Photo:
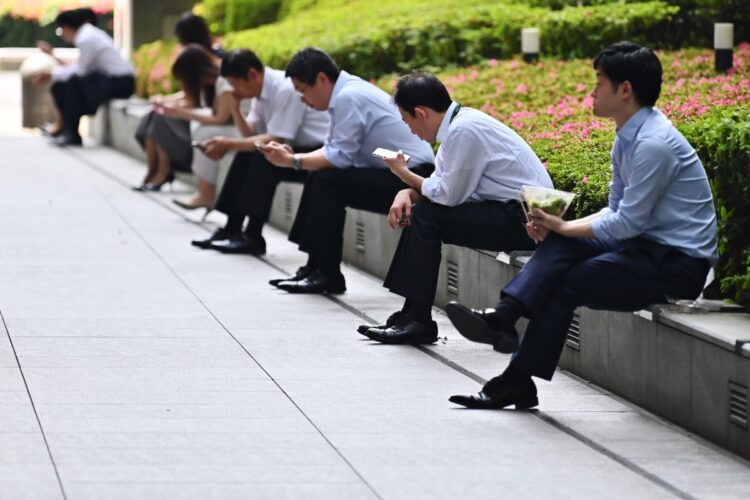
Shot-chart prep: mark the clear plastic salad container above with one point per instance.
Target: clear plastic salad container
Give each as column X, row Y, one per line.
column 552, row 201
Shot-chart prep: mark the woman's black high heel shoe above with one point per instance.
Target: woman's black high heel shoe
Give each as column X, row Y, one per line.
column 153, row 188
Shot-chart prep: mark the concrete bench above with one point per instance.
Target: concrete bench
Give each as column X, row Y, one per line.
column 692, row 369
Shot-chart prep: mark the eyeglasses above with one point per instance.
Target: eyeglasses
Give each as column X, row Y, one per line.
column 301, row 90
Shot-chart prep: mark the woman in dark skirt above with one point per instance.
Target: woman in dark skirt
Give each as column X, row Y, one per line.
column 172, row 134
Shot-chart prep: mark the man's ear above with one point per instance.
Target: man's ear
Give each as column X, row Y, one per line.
column 625, row 90
column 421, row 112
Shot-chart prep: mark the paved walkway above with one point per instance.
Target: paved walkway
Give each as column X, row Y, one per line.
column 134, row 366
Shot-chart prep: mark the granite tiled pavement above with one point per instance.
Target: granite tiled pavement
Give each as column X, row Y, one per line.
column 134, row 366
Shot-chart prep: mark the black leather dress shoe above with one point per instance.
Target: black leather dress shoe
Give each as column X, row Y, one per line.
column 240, row 243
column 301, row 273
column 483, row 326
column 219, row 234
column 64, row 140
column 362, row 329
column 405, row 331
column 497, row 394
column 316, row 282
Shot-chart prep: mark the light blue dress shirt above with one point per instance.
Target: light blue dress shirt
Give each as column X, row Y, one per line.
column 363, row 118
column 481, row 159
column 659, row 189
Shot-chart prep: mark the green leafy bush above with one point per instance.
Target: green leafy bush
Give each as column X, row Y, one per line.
column 224, row 16
column 153, row 63
column 722, row 140
column 364, row 39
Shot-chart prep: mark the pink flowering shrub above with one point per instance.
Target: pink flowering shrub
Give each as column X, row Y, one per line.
column 550, row 105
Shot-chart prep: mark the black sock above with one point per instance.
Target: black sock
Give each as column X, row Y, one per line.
column 510, row 309
column 254, row 228
column 330, row 269
column 421, row 312
column 234, row 222
column 407, row 306
column 516, row 376
column 312, row 262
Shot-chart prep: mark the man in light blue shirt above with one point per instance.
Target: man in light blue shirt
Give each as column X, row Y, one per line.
column 470, row 200
column 344, row 172
column 656, row 239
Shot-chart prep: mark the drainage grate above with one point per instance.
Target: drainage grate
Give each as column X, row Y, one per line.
column 359, row 237
column 288, row 205
column 452, row 277
column 573, row 338
column 738, row 404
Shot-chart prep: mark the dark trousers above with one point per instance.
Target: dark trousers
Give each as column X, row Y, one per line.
column 318, row 227
column 566, row 273
column 82, row 95
column 490, row 225
column 251, row 184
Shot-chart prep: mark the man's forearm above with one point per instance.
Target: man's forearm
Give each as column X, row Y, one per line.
column 315, row 160
column 248, row 143
column 411, row 179
column 246, row 129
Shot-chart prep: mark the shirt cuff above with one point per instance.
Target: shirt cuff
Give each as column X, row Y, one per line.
column 429, row 186
column 335, row 157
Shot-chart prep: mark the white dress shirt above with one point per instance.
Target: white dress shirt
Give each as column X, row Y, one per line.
column 363, row 118
column 481, row 159
column 278, row 111
column 97, row 54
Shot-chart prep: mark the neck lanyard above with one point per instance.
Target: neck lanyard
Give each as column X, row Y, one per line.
column 455, row 112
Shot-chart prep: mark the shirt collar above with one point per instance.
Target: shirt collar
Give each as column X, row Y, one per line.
column 268, row 83
column 84, row 31
column 628, row 131
column 342, row 80
column 442, row 133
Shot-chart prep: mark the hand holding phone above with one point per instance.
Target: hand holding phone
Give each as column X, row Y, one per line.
column 387, row 154
column 260, row 145
column 198, row 145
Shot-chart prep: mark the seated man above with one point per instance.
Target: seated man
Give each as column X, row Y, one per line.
column 276, row 114
column 99, row 74
column 344, row 173
column 470, row 200
column 656, row 239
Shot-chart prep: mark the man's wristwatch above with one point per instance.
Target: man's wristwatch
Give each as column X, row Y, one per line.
column 296, row 161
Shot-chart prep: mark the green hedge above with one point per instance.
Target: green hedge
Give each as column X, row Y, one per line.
column 722, row 140
column 364, row 39
column 224, row 16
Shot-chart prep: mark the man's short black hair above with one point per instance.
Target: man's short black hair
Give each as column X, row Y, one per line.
column 627, row 61
column 89, row 15
column 238, row 62
column 71, row 18
column 307, row 63
column 421, row 89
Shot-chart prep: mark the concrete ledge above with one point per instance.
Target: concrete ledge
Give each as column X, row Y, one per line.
column 692, row 369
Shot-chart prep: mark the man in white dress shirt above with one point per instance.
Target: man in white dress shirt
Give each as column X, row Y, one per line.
column 276, row 114
column 99, row 74
column 470, row 200
column 343, row 173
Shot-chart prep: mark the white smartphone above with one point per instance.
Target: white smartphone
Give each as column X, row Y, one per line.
column 386, row 154
column 198, row 145
column 260, row 145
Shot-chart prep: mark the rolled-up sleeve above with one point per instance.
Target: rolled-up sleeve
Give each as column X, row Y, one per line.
column 458, row 175
column 345, row 137
column 650, row 169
